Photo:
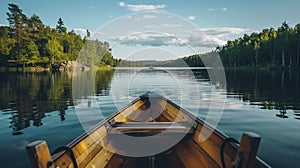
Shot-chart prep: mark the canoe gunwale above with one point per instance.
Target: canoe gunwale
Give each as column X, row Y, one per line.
column 217, row 132
column 197, row 121
column 93, row 129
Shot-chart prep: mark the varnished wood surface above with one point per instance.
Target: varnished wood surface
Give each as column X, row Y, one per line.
column 39, row 154
column 199, row 148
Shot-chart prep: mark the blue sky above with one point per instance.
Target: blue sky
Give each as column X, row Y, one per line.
column 233, row 18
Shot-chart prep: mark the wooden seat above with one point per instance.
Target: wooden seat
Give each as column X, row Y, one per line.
column 153, row 127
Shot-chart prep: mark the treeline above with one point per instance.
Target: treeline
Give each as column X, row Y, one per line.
column 190, row 61
column 127, row 63
column 269, row 48
column 28, row 42
column 196, row 60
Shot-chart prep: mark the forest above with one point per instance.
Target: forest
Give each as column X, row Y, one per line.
column 270, row 48
column 28, row 42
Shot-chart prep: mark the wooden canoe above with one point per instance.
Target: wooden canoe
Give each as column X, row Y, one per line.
column 200, row 146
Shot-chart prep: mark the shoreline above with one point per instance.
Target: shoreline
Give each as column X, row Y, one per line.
column 108, row 67
column 42, row 69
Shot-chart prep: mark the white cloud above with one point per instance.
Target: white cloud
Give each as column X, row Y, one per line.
column 121, row 4
column 203, row 40
column 208, row 38
column 140, row 18
column 171, row 25
column 164, row 25
column 137, row 8
column 223, row 31
column 213, row 37
column 80, row 31
column 150, row 39
column 98, row 33
column 213, row 9
column 127, row 17
column 149, row 17
column 224, row 9
column 151, row 26
column 191, row 17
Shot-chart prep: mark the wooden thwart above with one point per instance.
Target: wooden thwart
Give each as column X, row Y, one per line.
column 153, row 127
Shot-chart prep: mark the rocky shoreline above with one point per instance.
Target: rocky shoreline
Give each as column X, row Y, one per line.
column 70, row 66
column 67, row 66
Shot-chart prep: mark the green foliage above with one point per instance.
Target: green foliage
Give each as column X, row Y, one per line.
column 126, row 63
column 109, row 60
column 55, row 51
column 88, row 54
column 17, row 22
column 33, row 53
column 190, row 61
column 60, row 27
column 6, row 44
column 27, row 41
column 269, row 48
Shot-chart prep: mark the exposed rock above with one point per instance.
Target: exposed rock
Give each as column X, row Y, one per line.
column 70, row 66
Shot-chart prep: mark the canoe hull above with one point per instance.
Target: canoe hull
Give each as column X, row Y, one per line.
column 152, row 131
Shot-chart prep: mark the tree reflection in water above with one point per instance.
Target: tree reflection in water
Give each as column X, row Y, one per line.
column 30, row 96
column 278, row 90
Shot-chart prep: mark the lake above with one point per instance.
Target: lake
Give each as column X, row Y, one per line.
column 42, row 106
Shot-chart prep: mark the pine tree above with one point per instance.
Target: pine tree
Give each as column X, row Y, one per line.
column 17, row 22
column 60, row 27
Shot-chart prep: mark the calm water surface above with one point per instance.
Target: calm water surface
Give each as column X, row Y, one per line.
column 41, row 106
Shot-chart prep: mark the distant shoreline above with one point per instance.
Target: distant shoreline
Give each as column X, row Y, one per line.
column 105, row 68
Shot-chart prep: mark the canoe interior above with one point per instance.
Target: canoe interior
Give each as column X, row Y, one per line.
column 146, row 117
